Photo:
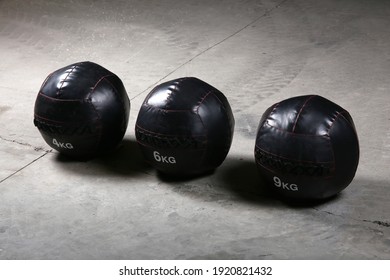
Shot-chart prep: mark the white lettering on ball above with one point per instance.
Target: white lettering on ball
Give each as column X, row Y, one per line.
column 62, row 145
column 163, row 159
column 284, row 185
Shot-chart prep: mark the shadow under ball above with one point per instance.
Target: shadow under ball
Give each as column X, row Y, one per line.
column 307, row 148
column 82, row 110
column 185, row 127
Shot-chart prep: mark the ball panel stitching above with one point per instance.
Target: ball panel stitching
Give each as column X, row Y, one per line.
column 300, row 111
column 293, row 166
column 277, row 173
column 121, row 100
column 96, row 84
column 308, row 161
column 58, row 99
column 54, row 121
column 165, row 110
column 333, row 121
column 266, row 117
column 68, row 130
column 349, row 124
column 162, row 134
column 164, row 141
column 219, row 100
column 45, row 81
column 202, row 99
column 154, row 147
column 64, row 80
column 294, row 133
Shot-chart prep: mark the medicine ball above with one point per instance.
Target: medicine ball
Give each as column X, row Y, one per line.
column 185, row 127
column 82, row 110
column 307, row 148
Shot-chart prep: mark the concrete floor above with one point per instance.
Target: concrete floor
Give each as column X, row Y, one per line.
column 257, row 53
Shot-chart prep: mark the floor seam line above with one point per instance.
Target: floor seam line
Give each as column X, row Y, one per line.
column 27, row 165
column 24, row 144
column 267, row 12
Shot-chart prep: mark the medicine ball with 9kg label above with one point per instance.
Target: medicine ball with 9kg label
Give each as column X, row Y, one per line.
column 307, row 148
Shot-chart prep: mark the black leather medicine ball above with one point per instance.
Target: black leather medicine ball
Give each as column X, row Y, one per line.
column 307, row 148
column 185, row 127
column 82, row 110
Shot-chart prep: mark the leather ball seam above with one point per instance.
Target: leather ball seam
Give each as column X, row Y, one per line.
column 64, row 80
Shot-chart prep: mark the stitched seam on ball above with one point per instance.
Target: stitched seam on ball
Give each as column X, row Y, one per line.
column 331, row 126
column 219, row 100
column 94, row 108
column 154, row 147
column 45, row 81
column 89, row 101
column 337, row 116
column 294, row 133
column 342, row 115
column 333, row 121
column 50, row 120
column 174, row 135
column 265, row 167
column 230, row 139
column 277, row 172
column 99, row 125
column 64, row 80
column 266, row 118
column 300, row 111
column 333, row 155
column 120, row 100
column 292, row 158
column 164, row 141
column 197, row 113
column 201, row 101
column 170, row 135
column 68, row 129
column 350, row 124
column 59, row 99
column 206, row 142
column 165, row 110
column 292, row 166
column 68, row 125
column 205, row 128
column 273, row 110
column 97, row 83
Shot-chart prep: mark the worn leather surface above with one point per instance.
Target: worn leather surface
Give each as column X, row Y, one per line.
column 82, row 110
column 307, row 147
column 185, row 127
